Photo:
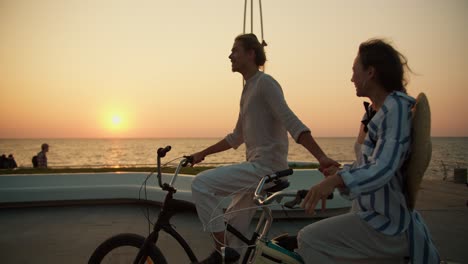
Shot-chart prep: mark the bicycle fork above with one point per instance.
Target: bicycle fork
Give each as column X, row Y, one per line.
column 151, row 239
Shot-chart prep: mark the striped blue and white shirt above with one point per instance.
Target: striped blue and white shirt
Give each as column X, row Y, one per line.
column 375, row 181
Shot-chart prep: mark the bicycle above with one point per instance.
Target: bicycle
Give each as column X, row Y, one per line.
column 260, row 248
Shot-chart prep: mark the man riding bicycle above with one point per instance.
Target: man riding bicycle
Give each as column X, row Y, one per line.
column 263, row 122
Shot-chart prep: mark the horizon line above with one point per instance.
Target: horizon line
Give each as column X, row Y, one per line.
column 46, row 138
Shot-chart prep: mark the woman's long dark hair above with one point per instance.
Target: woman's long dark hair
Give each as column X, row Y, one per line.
column 388, row 63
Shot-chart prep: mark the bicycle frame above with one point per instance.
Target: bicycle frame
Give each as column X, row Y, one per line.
column 173, row 206
column 266, row 218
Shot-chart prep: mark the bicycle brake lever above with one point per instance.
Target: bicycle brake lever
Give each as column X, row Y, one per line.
column 188, row 159
column 278, row 199
column 292, row 203
column 298, row 199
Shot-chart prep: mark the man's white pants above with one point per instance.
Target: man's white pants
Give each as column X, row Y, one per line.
column 210, row 187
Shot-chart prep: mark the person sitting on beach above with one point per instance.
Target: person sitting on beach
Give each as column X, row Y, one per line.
column 263, row 122
column 3, row 162
column 380, row 227
column 42, row 157
column 12, row 162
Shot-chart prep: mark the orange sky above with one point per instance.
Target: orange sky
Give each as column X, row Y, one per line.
column 71, row 68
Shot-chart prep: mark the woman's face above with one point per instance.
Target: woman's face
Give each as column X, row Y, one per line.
column 360, row 78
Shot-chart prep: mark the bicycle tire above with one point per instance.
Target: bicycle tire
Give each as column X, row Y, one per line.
column 124, row 240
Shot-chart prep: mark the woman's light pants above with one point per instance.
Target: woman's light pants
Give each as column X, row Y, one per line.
column 348, row 239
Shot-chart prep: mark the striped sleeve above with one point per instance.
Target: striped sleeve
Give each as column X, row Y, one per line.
column 384, row 160
column 344, row 191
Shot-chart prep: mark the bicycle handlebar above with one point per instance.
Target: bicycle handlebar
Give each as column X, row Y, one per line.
column 162, row 151
column 183, row 163
column 188, row 159
column 260, row 199
column 277, row 175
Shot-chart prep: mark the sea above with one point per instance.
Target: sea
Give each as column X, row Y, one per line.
column 447, row 152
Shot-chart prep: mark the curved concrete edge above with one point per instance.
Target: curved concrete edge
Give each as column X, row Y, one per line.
column 126, row 187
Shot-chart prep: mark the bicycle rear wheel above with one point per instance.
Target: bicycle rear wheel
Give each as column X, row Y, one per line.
column 123, row 248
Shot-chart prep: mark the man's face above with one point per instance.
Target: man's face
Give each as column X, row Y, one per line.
column 239, row 57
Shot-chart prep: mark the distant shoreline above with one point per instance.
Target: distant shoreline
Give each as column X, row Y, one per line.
column 172, row 138
column 187, row 170
column 447, row 153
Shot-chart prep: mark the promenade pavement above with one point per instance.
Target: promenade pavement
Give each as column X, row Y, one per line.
column 69, row 234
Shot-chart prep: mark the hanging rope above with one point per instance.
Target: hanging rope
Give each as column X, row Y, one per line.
column 261, row 21
column 264, row 44
column 251, row 18
column 245, row 13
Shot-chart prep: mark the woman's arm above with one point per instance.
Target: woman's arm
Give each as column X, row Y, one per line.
column 386, row 154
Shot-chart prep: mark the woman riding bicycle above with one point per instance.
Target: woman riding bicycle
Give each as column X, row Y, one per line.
column 380, row 228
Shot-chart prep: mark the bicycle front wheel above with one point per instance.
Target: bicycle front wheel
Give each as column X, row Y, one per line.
column 123, row 248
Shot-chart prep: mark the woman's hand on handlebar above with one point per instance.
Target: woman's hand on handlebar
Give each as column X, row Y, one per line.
column 320, row 192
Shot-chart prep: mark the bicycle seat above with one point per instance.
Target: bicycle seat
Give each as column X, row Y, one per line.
column 286, row 241
column 279, row 186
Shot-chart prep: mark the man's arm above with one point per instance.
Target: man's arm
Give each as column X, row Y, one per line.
column 274, row 97
column 306, row 140
column 222, row 145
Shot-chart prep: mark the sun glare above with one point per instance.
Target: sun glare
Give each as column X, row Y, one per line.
column 116, row 120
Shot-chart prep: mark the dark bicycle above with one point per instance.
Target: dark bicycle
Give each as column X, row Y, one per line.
column 260, row 248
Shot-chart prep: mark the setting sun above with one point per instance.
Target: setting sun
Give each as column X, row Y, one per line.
column 116, row 123
column 116, row 120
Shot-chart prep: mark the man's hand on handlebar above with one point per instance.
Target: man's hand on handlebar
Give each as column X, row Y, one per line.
column 197, row 158
column 330, row 171
column 326, row 162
